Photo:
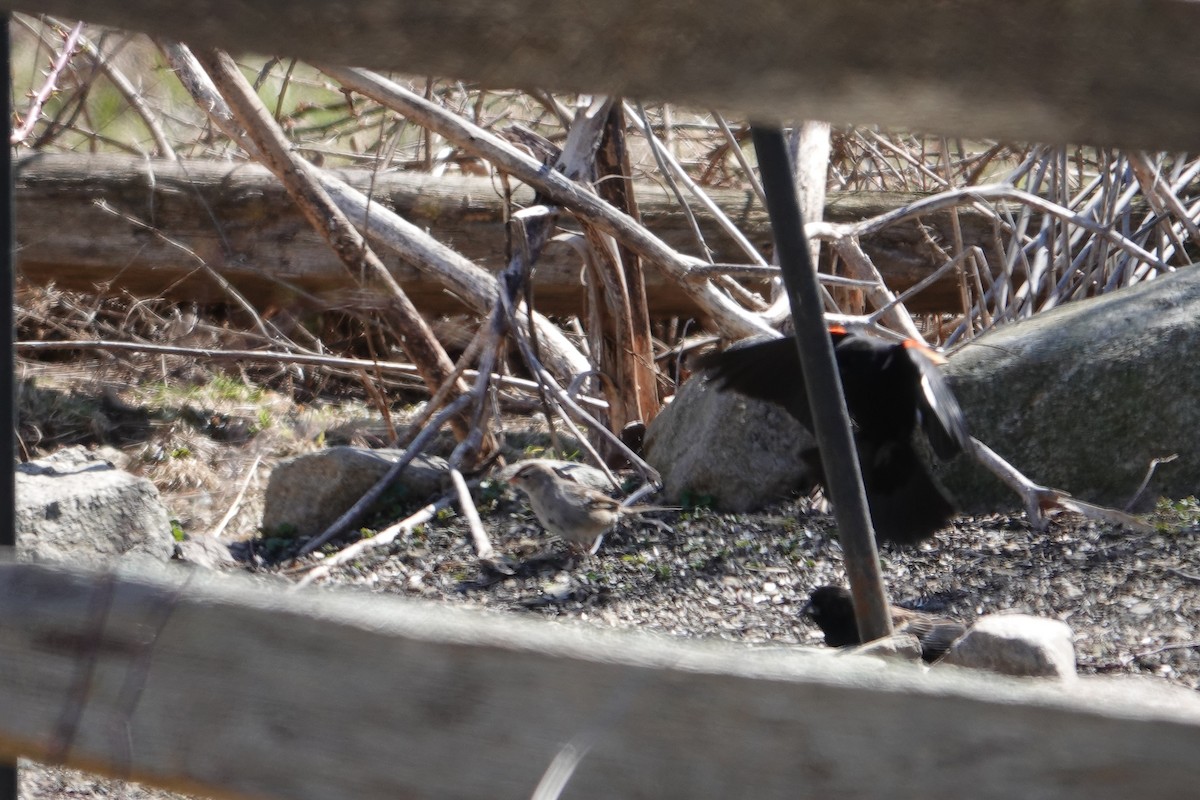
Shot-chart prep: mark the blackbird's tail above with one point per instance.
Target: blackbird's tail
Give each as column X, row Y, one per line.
column 906, row 505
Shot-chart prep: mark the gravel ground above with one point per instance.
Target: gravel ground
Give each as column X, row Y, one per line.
column 1132, row 599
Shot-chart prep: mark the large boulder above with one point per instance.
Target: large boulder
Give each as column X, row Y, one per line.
column 308, row 492
column 1081, row 398
column 740, row 453
column 76, row 506
column 1084, row 397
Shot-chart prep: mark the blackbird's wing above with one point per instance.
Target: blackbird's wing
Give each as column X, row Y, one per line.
column 941, row 417
column 936, row 635
column 767, row 370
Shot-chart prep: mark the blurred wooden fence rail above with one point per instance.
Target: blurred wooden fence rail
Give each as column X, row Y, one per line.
column 239, row 220
column 1089, row 71
column 215, row 685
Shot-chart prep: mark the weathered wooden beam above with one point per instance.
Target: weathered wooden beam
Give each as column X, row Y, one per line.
column 238, row 219
column 213, row 685
column 1102, row 71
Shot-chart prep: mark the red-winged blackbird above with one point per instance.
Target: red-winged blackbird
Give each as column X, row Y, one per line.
column 832, row 608
column 889, row 387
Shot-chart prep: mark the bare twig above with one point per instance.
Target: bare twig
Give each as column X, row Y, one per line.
column 862, row 268
column 1154, row 462
column 674, row 172
column 219, row 528
column 463, row 278
column 364, row 503
column 384, row 537
column 725, row 313
column 483, row 545
column 1041, row 499
column 1187, row 576
column 267, row 356
column 1166, row 648
column 217, row 277
column 1159, row 193
column 48, row 87
column 298, row 177
column 924, row 283
column 128, row 91
column 736, row 148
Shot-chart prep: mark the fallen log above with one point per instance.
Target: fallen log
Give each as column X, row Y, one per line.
column 74, row 229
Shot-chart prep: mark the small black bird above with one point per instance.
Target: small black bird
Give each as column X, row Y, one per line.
column 890, row 388
column 832, row 608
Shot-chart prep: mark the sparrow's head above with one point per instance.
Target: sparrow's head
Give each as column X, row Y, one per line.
column 532, row 474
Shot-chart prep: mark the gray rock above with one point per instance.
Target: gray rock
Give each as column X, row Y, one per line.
column 204, row 551
column 1016, row 644
column 1084, row 397
column 742, row 453
column 75, row 506
column 305, row 494
column 898, row 646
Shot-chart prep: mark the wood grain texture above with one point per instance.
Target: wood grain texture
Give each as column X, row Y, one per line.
column 1099, row 71
column 211, row 684
column 240, row 221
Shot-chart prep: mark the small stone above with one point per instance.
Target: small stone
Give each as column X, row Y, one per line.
column 899, row 646
column 307, row 493
column 204, row 551
column 1141, row 609
column 1017, row 644
column 1071, row 590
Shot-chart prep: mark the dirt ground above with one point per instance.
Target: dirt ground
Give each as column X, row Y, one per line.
column 1132, row 599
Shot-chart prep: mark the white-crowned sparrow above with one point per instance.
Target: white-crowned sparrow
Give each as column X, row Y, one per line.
column 578, row 514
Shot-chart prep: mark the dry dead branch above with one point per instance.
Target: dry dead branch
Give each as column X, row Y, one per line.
column 724, row 312
column 49, row 85
column 275, row 153
column 364, row 503
column 1041, row 499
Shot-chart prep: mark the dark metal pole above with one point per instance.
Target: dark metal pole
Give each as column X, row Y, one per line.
column 831, row 423
column 8, row 442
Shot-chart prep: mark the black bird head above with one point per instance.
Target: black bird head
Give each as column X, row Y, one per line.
column 832, row 608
